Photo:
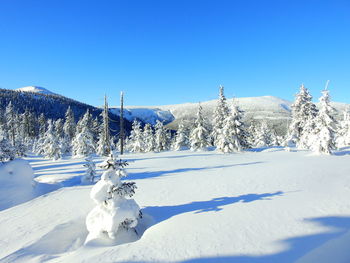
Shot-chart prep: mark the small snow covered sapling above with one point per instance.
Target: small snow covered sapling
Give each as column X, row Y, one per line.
column 90, row 172
column 114, row 212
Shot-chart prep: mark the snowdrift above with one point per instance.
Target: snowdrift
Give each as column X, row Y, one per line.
column 16, row 181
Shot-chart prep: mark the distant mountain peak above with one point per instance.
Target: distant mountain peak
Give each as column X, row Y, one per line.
column 36, row 89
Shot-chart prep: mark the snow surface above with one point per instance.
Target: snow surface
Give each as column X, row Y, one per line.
column 265, row 205
column 36, row 89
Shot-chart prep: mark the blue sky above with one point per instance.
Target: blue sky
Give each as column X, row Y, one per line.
column 167, row 52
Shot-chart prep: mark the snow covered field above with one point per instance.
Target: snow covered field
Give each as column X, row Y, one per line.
column 257, row 206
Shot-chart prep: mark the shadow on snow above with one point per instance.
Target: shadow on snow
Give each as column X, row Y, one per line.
column 146, row 175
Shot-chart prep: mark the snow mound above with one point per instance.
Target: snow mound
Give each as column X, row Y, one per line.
column 16, row 183
column 36, row 89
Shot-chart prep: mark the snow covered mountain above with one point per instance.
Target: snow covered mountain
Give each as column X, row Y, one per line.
column 275, row 110
column 36, row 89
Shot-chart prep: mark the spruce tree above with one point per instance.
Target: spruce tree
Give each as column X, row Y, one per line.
column 161, row 138
column 148, row 138
column 90, row 172
column 323, row 140
column 69, row 125
column 303, row 115
column 343, row 133
column 50, row 146
column 199, row 137
column 181, row 138
column 136, row 143
column 221, row 112
column 231, row 138
column 83, row 143
column 114, row 212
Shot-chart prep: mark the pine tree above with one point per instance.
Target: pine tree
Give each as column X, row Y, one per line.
column 343, row 138
column 199, row 137
column 263, row 135
column 11, row 123
column 114, row 212
column 104, row 147
column 69, row 124
column 303, row 114
column 136, row 143
column 7, row 151
column 161, row 138
column 221, row 112
column 231, row 138
column 90, row 172
column 148, row 138
column 323, row 140
column 181, row 138
column 83, row 142
column 50, row 147
column 42, row 124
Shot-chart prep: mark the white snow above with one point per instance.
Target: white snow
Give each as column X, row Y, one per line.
column 257, row 206
column 36, row 89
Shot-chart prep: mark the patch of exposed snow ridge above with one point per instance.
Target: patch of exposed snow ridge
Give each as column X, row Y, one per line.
column 36, row 89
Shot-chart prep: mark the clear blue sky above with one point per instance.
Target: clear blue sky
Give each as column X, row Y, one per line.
column 167, row 51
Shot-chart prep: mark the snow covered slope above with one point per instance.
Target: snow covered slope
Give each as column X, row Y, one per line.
column 275, row 110
column 264, row 206
column 266, row 107
column 36, row 89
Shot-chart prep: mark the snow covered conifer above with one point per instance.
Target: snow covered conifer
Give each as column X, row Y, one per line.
column 303, row 114
column 161, row 137
column 69, row 125
column 50, row 146
column 7, row 151
column 221, row 112
column 148, row 138
column 42, row 124
column 90, row 172
column 103, row 144
column 136, row 143
column 11, row 123
column 323, row 140
column 114, row 212
column 181, row 138
column 343, row 138
column 199, row 137
column 263, row 136
column 83, row 142
column 230, row 138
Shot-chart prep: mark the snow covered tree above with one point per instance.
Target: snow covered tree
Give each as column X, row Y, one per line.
column 104, row 147
column 90, row 172
column 136, row 143
column 50, row 146
column 7, row 151
column 181, row 138
column 323, row 140
column 199, row 137
column 59, row 128
column 343, row 138
column 221, row 112
column 42, row 124
column 114, row 212
column 303, row 114
column 263, row 135
column 148, row 138
column 11, row 123
column 83, row 142
column 230, row 138
column 161, row 137
column 69, row 125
